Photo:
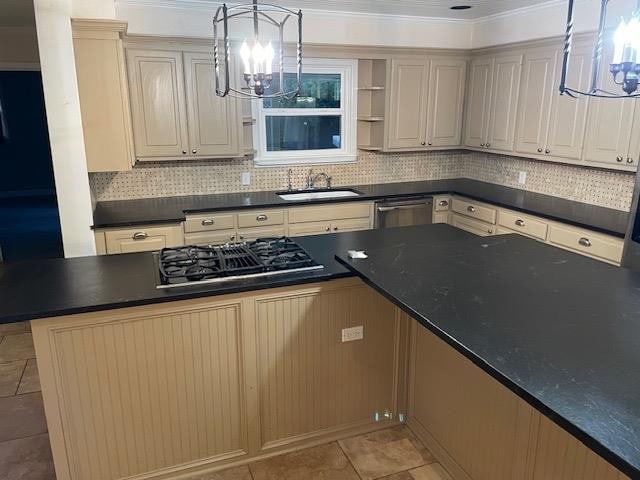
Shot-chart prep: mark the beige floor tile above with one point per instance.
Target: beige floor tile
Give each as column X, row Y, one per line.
column 237, row 473
column 30, row 381
column 325, row 462
column 385, row 452
column 433, row 471
column 26, row 459
column 10, row 374
column 399, row 476
column 17, row 347
column 21, row 416
column 13, row 328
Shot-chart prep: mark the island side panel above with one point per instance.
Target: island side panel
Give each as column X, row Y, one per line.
column 480, row 430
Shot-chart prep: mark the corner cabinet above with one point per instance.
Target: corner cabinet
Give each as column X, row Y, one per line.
column 176, row 112
column 491, row 114
column 426, row 103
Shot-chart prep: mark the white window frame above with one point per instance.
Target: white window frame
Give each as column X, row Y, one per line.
column 348, row 125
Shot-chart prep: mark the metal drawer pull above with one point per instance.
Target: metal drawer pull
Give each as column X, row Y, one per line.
column 208, row 222
column 443, row 203
column 520, row 223
column 232, row 237
column 482, row 144
column 328, row 229
column 547, row 151
column 629, row 160
column 585, row 242
column 488, row 145
column 262, row 218
column 619, row 158
column 140, row 235
column 335, row 228
column 540, row 150
column 471, row 209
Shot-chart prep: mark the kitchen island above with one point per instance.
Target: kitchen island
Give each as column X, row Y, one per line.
column 154, row 384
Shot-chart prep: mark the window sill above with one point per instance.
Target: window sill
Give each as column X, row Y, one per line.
column 304, row 160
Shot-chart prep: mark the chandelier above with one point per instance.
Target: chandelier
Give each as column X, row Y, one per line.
column 625, row 65
column 258, row 54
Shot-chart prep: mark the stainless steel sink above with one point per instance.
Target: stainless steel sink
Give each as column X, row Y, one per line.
column 317, row 194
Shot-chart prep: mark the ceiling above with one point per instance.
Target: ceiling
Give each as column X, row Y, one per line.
column 16, row 13
column 419, row 8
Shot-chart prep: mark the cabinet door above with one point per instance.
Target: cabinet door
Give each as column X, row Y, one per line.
column 310, row 228
column 609, row 121
column 409, row 79
column 477, row 113
column 569, row 115
column 633, row 156
column 251, row 234
column 214, row 122
column 536, row 98
column 143, row 239
column 157, row 102
column 446, row 94
column 351, row 225
column 504, row 102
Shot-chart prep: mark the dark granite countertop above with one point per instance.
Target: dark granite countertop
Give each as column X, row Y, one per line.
column 560, row 330
column 86, row 284
column 124, row 213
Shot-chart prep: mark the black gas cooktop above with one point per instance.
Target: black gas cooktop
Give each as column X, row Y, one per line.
column 233, row 261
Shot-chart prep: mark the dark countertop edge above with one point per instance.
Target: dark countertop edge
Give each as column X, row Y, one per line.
column 618, row 462
column 366, row 197
column 188, row 295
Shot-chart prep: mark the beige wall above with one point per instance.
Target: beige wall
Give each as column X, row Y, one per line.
column 599, row 187
column 18, row 48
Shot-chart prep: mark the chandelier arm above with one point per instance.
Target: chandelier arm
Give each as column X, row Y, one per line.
column 597, row 52
column 575, row 93
column 568, row 38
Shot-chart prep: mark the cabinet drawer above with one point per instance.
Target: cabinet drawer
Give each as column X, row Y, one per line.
column 251, row 234
column 351, row 225
column 210, row 238
column 209, row 222
column 587, row 242
column 474, row 210
column 330, row 212
column 309, row 228
column 472, row 226
column 441, row 217
column 261, row 218
column 143, row 239
column 523, row 224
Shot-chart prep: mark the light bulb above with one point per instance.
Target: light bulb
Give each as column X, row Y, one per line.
column 619, row 39
column 245, row 54
column 633, row 32
column 269, row 55
column 258, row 57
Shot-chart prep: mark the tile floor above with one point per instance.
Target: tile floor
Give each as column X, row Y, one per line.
column 390, row 454
column 24, row 444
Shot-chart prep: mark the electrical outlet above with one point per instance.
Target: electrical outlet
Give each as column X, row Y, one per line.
column 353, row 333
column 246, row 178
column 522, row 178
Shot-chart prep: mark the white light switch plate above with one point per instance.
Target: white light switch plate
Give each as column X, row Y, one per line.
column 246, row 178
column 522, row 178
column 353, row 333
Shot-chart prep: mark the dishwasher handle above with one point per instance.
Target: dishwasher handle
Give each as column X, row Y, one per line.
column 402, row 207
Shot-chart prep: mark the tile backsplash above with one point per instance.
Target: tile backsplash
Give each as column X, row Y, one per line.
column 600, row 187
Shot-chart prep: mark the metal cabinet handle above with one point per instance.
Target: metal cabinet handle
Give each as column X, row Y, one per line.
column 482, row 144
column 520, row 223
column 547, row 151
column 262, row 218
column 540, row 150
column 629, row 160
column 335, row 229
column 488, row 145
column 194, row 151
column 430, row 143
column 184, row 152
column 489, row 231
column 232, row 237
column 585, row 242
column 208, row 222
column 328, row 229
column 443, row 203
column 471, row 209
column 619, row 159
column 423, row 143
column 140, row 235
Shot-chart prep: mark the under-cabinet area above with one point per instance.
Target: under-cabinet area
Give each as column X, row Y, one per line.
column 199, row 385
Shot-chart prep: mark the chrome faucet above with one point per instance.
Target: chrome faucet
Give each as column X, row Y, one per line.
column 312, row 179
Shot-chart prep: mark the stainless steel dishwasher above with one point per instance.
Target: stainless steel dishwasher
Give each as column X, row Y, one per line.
column 400, row 212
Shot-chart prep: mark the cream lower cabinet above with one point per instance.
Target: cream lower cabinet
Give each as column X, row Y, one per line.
column 167, row 390
column 143, row 238
column 479, row 430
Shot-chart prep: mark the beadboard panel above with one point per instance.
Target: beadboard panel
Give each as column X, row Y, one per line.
column 150, row 392
column 559, row 456
column 309, row 381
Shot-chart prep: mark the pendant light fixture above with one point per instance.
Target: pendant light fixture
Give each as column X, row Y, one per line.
column 625, row 65
column 257, row 54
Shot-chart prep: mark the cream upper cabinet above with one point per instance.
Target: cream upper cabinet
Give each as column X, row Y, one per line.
column 569, row 115
column 104, row 96
column 445, row 102
column 409, row 84
column 504, row 101
column 536, row 98
column 479, row 98
column 213, row 121
column 157, row 101
column 609, row 125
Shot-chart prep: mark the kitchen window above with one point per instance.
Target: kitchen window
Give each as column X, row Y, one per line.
column 318, row 126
